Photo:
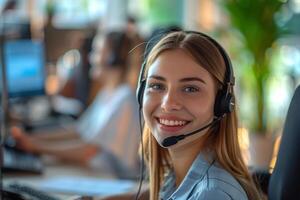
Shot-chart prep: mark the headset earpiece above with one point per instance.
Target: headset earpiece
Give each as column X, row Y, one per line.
column 140, row 92
column 141, row 85
column 224, row 103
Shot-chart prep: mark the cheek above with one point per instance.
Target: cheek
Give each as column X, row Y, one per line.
column 200, row 108
column 149, row 105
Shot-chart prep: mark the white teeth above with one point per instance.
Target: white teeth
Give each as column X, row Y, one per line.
column 172, row 122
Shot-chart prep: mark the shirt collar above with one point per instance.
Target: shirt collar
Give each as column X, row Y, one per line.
column 196, row 172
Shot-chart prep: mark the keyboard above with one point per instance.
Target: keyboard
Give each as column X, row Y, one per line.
column 18, row 161
column 19, row 191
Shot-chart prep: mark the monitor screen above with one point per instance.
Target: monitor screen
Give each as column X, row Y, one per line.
column 25, row 67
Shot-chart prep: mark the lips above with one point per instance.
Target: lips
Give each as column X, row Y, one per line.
column 171, row 124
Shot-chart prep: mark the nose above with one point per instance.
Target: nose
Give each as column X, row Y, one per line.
column 171, row 102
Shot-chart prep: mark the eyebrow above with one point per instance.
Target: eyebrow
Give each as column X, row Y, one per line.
column 187, row 79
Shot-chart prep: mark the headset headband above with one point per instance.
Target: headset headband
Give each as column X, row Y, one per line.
column 229, row 78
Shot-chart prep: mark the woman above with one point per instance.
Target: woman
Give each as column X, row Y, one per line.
column 190, row 134
column 105, row 136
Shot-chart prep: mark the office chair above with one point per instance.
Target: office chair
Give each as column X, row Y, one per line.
column 285, row 180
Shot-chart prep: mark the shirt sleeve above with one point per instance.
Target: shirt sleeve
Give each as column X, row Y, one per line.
column 91, row 121
column 213, row 194
column 98, row 123
column 115, row 129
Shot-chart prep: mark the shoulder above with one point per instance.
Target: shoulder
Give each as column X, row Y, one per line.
column 124, row 91
column 219, row 184
column 125, row 88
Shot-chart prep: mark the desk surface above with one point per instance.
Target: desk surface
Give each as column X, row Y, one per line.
column 54, row 169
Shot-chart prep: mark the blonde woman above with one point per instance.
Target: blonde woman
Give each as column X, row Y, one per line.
column 190, row 135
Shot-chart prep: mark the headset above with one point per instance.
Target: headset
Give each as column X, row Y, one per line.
column 224, row 102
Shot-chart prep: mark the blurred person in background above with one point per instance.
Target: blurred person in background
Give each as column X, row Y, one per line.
column 76, row 87
column 106, row 136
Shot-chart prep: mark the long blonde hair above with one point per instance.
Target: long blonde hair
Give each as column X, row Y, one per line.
column 222, row 139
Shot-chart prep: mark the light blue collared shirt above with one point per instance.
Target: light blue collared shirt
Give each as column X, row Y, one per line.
column 204, row 181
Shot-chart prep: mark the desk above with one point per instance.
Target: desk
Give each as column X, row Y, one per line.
column 54, row 169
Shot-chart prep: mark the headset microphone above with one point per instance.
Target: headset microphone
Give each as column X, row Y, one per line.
column 169, row 141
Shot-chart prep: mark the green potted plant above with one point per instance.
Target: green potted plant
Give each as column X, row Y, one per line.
column 255, row 21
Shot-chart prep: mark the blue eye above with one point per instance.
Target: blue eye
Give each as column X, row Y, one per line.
column 156, row 86
column 191, row 89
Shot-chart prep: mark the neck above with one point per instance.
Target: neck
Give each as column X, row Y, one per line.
column 183, row 157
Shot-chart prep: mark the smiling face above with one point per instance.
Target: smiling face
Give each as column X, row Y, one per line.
column 179, row 96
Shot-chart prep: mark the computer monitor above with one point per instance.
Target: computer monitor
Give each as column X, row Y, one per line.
column 25, row 67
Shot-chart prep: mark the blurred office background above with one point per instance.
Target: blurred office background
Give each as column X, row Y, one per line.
column 262, row 38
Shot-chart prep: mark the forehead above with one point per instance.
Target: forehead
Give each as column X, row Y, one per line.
column 177, row 64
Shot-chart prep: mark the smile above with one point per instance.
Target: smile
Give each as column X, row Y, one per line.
column 171, row 125
column 172, row 122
